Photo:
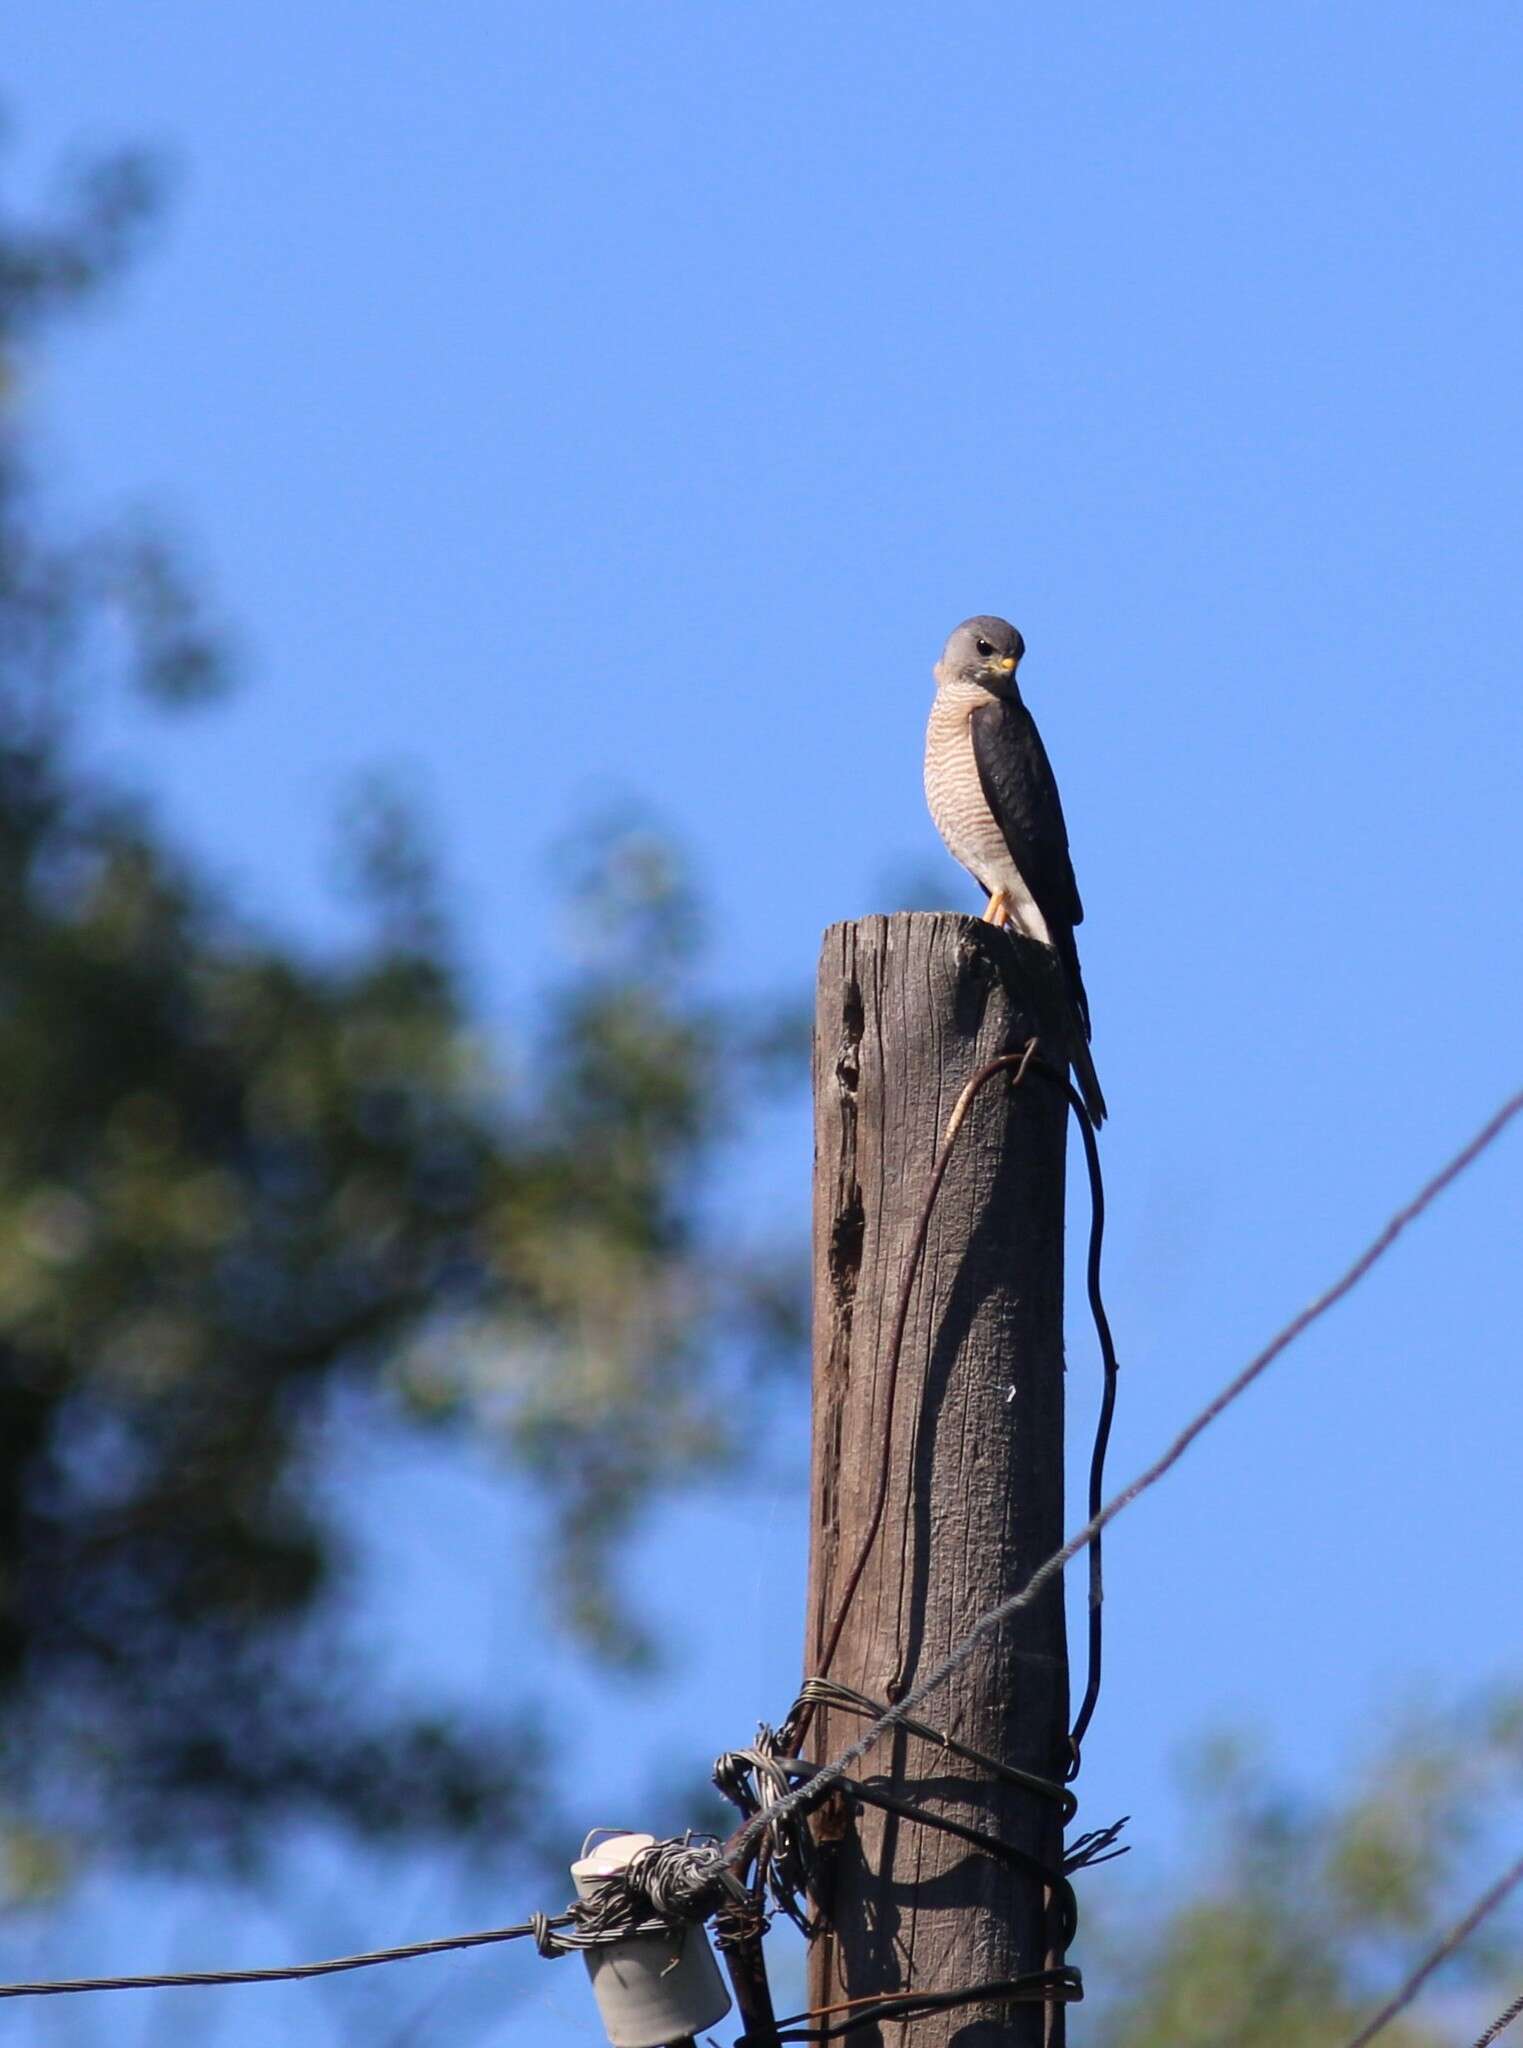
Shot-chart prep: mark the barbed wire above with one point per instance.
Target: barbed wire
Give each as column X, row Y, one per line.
column 1456, row 1938
column 810, row 1794
column 1501, row 2023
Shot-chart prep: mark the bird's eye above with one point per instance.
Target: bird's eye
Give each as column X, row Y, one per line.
column 985, row 647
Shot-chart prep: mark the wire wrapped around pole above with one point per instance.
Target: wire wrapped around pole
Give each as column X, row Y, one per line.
column 1234, row 1390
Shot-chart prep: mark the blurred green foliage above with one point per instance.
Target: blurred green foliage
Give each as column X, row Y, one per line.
column 1301, row 1916
column 234, row 1178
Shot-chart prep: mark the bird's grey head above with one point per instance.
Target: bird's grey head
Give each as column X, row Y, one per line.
column 986, row 651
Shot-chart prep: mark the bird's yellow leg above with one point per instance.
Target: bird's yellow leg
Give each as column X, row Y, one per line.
column 998, row 912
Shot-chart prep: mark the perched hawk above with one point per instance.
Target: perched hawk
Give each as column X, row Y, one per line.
column 991, row 792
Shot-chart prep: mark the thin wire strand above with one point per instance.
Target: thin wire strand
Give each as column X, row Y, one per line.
column 1018, row 1064
column 1501, row 2023
column 53, row 1987
column 1456, row 1938
column 845, row 1699
column 810, row 1794
column 1110, row 1369
column 1039, row 1987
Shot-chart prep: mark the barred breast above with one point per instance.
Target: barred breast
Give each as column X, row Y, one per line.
column 954, row 793
column 961, row 811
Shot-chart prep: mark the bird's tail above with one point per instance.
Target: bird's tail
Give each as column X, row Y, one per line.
column 1050, row 989
column 1078, row 1036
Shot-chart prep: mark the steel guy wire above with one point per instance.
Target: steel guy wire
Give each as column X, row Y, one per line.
column 50, row 1988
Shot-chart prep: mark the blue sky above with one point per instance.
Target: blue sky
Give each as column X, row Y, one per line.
column 628, row 399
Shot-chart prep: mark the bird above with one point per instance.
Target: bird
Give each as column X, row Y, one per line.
column 994, row 800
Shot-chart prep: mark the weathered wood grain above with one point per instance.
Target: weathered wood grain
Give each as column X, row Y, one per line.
column 909, row 1007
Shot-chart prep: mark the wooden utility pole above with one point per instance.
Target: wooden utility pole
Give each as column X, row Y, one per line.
column 909, row 1008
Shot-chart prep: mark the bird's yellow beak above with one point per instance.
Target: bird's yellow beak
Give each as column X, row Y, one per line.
column 1006, row 664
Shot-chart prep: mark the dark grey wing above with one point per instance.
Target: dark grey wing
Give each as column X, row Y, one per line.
column 1021, row 791
column 1018, row 786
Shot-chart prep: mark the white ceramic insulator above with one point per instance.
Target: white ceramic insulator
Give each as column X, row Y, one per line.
column 645, row 1998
